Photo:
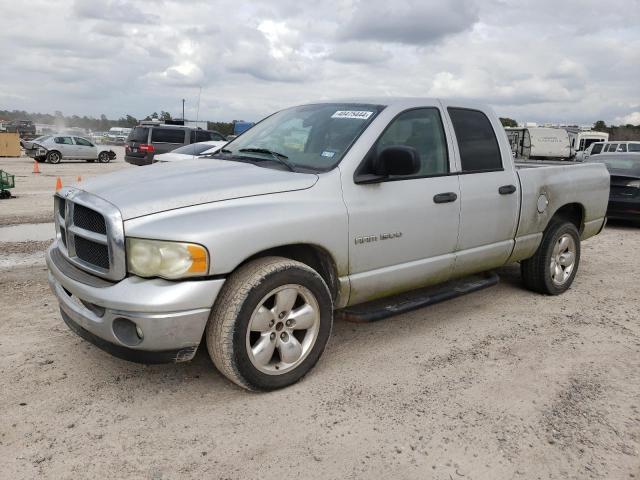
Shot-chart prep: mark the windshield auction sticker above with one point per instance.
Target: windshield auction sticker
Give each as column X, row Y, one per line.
column 360, row 114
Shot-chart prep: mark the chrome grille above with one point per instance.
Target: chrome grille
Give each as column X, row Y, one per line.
column 61, row 206
column 88, row 219
column 63, row 236
column 90, row 233
column 92, row 252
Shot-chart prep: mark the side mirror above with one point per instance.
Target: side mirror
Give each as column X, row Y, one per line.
column 396, row 160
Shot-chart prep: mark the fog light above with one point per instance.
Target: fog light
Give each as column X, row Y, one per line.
column 127, row 332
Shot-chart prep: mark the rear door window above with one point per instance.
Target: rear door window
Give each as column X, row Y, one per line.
column 139, row 134
column 83, row 142
column 167, row 135
column 477, row 142
column 622, row 148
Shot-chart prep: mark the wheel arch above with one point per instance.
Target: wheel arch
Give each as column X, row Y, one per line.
column 570, row 212
column 314, row 256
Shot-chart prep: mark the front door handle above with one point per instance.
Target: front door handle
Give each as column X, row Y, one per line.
column 507, row 189
column 445, row 197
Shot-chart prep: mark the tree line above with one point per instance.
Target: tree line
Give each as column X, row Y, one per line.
column 100, row 124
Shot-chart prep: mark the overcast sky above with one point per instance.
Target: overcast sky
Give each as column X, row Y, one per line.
column 544, row 60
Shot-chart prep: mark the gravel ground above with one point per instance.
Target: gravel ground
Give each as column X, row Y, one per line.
column 32, row 202
column 502, row 383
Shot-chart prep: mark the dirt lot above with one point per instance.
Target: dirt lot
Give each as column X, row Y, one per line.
column 502, row 383
column 33, row 202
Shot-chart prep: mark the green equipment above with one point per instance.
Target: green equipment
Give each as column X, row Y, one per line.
column 6, row 182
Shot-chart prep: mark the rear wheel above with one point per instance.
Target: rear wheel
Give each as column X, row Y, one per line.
column 270, row 323
column 54, row 157
column 103, row 157
column 554, row 266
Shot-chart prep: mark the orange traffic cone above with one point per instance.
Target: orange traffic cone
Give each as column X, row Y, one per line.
column 58, row 184
column 79, row 179
column 36, row 167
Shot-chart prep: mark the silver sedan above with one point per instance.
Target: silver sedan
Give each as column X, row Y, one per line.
column 55, row 148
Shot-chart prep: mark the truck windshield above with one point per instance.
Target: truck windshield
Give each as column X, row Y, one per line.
column 309, row 137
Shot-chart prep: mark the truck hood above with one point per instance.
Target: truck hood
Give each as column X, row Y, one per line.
column 159, row 187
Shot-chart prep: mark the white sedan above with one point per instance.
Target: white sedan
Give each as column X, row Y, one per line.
column 193, row 150
column 55, row 148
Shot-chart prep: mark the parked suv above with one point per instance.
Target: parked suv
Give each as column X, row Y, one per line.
column 145, row 141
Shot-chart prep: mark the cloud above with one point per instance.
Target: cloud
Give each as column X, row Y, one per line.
column 113, row 10
column 358, row 52
column 632, row 118
column 538, row 61
column 415, row 22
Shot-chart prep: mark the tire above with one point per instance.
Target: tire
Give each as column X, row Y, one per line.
column 540, row 273
column 246, row 314
column 103, row 157
column 54, row 157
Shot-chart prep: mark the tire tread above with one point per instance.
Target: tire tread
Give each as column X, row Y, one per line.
column 533, row 270
column 221, row 327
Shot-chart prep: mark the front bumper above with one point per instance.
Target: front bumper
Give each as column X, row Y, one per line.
column 36, row 152
column 171, row 315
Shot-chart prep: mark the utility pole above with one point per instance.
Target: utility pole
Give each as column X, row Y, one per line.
column 183, row 109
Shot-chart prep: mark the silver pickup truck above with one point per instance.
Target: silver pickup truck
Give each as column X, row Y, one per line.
column 315, row 209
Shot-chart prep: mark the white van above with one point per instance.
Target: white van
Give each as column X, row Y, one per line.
column 581, row 140
column 612, row 147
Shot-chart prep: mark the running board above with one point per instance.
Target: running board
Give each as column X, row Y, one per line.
column 415, row 299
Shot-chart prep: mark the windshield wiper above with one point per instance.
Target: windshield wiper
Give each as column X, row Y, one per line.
column 278, row 157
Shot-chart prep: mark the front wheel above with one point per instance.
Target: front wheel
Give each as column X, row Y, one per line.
column 270, row 323
column 54, row 157
column 555, row 264
column 103, row 157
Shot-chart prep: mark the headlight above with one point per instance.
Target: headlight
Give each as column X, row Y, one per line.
column 156, row 258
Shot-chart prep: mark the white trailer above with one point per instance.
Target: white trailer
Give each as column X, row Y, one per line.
column 540, row 143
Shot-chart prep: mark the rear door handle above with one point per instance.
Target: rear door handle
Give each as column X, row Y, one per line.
column 507, row 189
column 445, row 197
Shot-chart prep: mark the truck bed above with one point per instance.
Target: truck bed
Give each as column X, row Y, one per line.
column 558, row 184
